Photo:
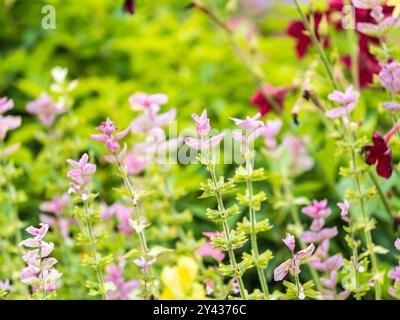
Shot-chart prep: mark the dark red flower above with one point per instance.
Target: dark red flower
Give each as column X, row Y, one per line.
column 276, row 95
column 380, row 153
column 129, row 6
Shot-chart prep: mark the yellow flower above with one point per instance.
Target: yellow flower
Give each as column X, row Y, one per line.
column 396, row 4
column 179, row 282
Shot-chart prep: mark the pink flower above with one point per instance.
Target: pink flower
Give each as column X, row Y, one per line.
column 344, row 207
column 207, row 249
column 134, row 163
column 81, row 175
column 209, row 287
column 56, row 206
column 348, row 101
column 292, row 265
column 319, row 236
column 6, row 104
column 397, row 244
column 330, row 264
column 7, row 123
column 202, row 123
column 5, row 285
column 40, row 272
column 318, row 212
column 391, row 106
column 110, row 140
column 147, row 100
column 150, row 119
column 143, row 264
column 390, row 76
column 124, row 289
column 250, row 123
column 45, row 109
column 121, row 212
column 395, row 274
column 205, row 145
column 290, row 241
column 269, row 131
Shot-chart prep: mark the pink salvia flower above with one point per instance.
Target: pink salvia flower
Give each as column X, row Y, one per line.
column 39, row 273
column 397, row 244
column 147, row 100
column 7, row 123
column 347, row 100
column 5, row 285
column 123, row 289
column 205, row 145
column 81, row 175
column 202, row 123
column 250, row 123
column 144, row 264
column 135, row 164
column 108, row 137
column 45, row 109
column 344, row 207
column 150, row 119
column 390, row 76
column 207, row 249
column 318, row 212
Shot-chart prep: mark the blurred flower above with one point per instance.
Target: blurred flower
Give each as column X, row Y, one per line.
column 180, row 281
column 348, row 101
column 269, row 131
column 45, row 109
column 205, row 145
column 81, row 175
column 390, row 76
column 144, row 264
column 395, row 274
column 129, row 6
column 344, row 207
column 396, row 5
column 318, row 212
column 380, row 153
column 269, row 97
column 209, row 287
column 250, row 123
column 150, row 119
column 110, row 140
column 207, row 249
column 134, row 163
column 397, row 244
column 7, row 123
column 318, row 236
column 290, row 242
column 124, row 290
column 292, row 265
column 121, row 212
column 5, row 285
column 144, row 100
column 57, row 206
column 202, row 123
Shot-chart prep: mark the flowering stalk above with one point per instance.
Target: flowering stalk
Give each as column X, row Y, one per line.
column 139, row 224
column 40, row 273
column 81, row 175
column 216, row 187
column 254, row 128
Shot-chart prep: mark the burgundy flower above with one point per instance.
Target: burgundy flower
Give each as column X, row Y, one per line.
column 380, row 153
column 275, row 94
column 129, row 6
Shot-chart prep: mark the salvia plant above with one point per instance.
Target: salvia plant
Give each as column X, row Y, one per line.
column 295, row 197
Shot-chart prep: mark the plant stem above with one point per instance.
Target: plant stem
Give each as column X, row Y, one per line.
column 137, row 211
column 225, row 226
column 93, row 252
column 253, row 231
column 355, row 259
column 317, row 45
column 367, row 232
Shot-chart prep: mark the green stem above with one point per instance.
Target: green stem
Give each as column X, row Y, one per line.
column 226, row 229
column 367, row 232
column 137, row 211
column 253, row 231
column 93, row 252
column 355, row 259
column 317, row 45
